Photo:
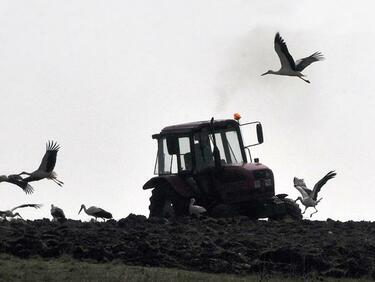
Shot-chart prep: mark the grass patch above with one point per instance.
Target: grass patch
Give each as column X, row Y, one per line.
column 67, row 269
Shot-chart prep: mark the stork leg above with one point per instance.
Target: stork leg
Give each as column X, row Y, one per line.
column 58, row 182
column 314, row 212
column 304, row 210
column 305, row 80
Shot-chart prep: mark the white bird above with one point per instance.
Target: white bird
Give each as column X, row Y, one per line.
column 288, row 66
column 19, row 181
column 194, row 209
column 47, row 165
column 309, row 197
column 57, row 214
column 9, row 213
column 96, row 212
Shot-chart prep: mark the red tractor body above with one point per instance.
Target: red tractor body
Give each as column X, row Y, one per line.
column 207, row 161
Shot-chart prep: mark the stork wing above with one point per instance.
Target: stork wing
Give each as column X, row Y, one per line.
column 99, row 212
column 94, row 209
column 57, row 212
column 301, row 183
column 49, row 158
column 62, row 213
column 321, row 182
column 304, row 62
column 302, row 190
column 281, row 49
column 19, row 181
column 37, row 206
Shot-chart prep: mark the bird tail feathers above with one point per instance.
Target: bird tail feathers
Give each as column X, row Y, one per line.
column 28, row 189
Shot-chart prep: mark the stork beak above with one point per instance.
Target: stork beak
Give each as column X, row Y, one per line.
column 264, row 73
column 80, row 210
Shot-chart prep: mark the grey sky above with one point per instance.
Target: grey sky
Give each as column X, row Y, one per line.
column 101, row 77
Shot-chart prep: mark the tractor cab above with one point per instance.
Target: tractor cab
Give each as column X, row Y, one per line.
column 190, row 148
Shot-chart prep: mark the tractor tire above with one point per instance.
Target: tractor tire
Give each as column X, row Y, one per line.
column 292, row 211
column 165, row 202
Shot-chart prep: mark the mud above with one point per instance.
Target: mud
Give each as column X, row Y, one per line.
column 232, row 245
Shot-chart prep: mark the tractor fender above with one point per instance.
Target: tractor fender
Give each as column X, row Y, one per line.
column 179, row 184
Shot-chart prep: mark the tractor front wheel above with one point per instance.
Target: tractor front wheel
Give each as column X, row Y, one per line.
column 291, row 210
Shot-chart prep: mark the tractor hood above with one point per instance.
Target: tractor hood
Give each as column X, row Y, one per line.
column 239, row 183
column 241, row 172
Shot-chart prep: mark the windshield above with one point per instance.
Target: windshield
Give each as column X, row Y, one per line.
column 227, row 143
column 181, row 157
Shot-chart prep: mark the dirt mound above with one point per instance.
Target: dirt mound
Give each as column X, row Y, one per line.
column 233, row 245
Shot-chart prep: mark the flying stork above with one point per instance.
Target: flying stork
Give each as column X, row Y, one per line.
column 19, row 181
column 9, row 213
column 96, row 212
column 57, row 214
column 309, row 197
column 47, row 165
column 288, row 66
column 195, row 209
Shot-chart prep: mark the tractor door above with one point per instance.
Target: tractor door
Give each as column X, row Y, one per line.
column 174, row 155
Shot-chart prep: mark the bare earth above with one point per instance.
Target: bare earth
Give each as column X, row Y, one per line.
column 232, row 245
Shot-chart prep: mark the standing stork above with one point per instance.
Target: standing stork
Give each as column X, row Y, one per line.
column 96, row 212
column 309, row 197
column 47, row 165
column 195, row 209
column 9, row 213
column 57, row 214
column 19, row 181
column 288, row 66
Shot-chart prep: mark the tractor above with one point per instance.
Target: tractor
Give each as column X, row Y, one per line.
column 208, row 161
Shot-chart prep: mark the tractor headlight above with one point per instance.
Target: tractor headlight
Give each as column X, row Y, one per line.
column 268, row 182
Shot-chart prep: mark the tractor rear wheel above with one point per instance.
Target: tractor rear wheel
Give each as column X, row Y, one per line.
column 166, row 202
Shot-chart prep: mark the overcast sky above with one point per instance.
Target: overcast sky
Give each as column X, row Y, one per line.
column 100, row 77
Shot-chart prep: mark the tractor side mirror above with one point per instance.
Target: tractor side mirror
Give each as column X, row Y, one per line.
column 172, row 145
column 259, row 133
